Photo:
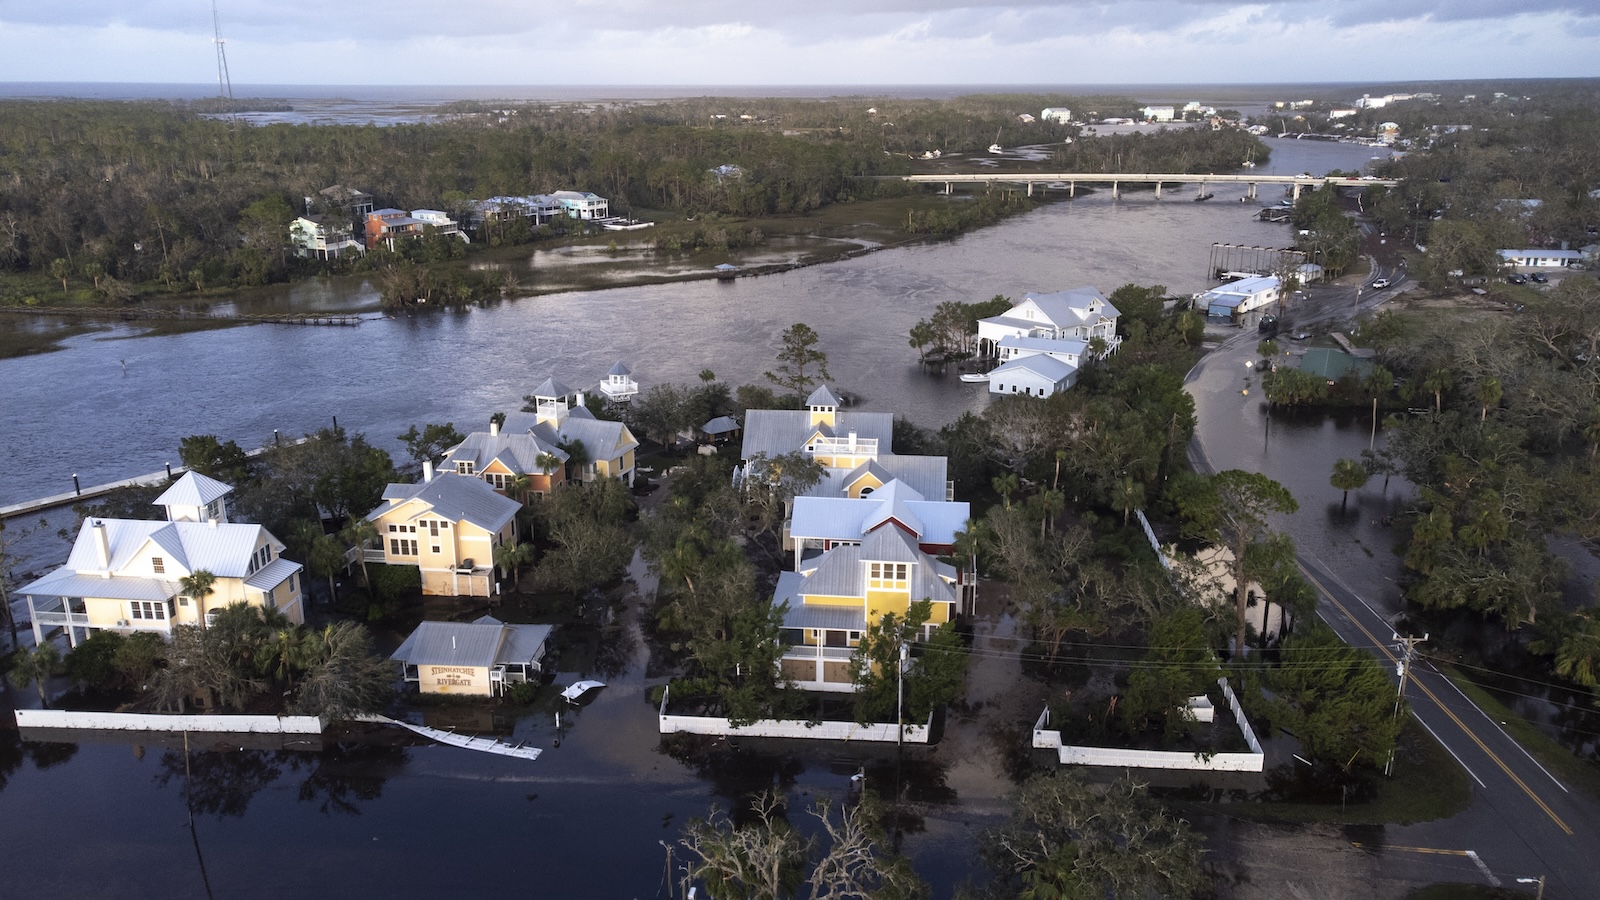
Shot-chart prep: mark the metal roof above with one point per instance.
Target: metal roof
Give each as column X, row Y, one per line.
column 519, row 451
column 846, row 519
column 774, row 432
column 224, row 549
column 67, row 583
column 1039, row 365
column 459, row 498
column 605, row 440
column 552, row 389
column 471, row 644
column 720, row 425
column 619, row 369
column 273, row 574
column 891, row 545
column 823, row 396
column 193, row 489
column 1076, row 346
column 837, row 618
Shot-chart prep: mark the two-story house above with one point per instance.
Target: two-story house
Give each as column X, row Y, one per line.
column 1041, row 341
column 447, row 526
column 562, row 420
column 501, row 457
column 388, row 226
column 322, row 237
column 125, row 575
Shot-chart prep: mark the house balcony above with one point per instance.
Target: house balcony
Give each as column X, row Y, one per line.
column 619, row 389
column 860, row 448
column 59, row 618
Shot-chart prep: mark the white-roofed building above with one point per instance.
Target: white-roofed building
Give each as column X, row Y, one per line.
column 1541, row 259
column 124, row 575
column 1038, row 375
column 618, row 385
column 478, row 658
column 583, row 204
column 819, row 524
column 447, row 526
column 501, row 456
column 1239, row 297
column 1081, row 313
column 1058, row 114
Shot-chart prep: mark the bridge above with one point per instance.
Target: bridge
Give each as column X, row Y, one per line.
column 1117, row 179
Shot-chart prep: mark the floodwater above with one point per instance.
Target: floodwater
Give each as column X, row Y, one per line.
column 584, row 820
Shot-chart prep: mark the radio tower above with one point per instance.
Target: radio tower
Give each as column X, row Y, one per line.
column 224, row 80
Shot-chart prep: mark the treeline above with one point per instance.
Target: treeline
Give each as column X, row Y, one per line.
column 1193, row 151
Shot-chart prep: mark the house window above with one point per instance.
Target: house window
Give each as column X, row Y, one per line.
column 269, row 600
column 465, row 468
column 433, row 530
column 147, row 610
column 183, row 601
column 294, row 583
column 402, row 529
column 435, row 548
column 402, row 547
column 883, row 575
column 158, row 565
column 499, row 480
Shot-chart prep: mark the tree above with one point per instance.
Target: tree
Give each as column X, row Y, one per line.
column 61, row 270
column 1336, row 699
column 1246, row 499
column 1489, row 394
column 197, row 586
column 431, row 442
column 343, row 678
column 286, row 653
column 92, row 663
column 138, row 657
column 1070, row 839
column 357, row 532
column 511, row 557
column 932, row 677
column 1179, row 664
column 800, row 364
column 1348, row 475
column 586, row 525
column 224, row 461
column 37, row 666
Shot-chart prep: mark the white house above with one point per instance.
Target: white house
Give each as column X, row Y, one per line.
column 1238, row 297
column 583, row 204
column 322, row 237
column 1159, row 113
column 439, row 221
column 1081, row 314
column 1058, row 114
column 1541, row 259
column 1034, row 376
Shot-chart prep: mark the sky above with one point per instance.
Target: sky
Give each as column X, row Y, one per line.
column 798, row 42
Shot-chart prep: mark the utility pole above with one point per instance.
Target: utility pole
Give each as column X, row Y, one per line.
column 1404, row 668
column 899, row 695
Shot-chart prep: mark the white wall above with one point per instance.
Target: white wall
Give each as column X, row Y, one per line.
column 792, row 728
column 102, row 721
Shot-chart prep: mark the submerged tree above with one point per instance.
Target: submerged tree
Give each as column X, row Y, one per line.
column 800, row 364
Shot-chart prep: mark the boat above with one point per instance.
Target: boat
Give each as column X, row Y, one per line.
column 995, row 147
column 974, row 377
column 578, row 689
column 1205, row 196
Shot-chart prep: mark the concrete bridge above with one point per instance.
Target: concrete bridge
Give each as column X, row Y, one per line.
column 1117, row 179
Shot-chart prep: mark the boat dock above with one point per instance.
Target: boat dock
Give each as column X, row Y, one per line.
column 466, row 742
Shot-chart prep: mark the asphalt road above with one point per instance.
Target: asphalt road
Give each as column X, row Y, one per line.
column 1523, row 823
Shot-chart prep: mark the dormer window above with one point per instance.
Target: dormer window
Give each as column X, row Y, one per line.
column 888, row 575
column 466, row 468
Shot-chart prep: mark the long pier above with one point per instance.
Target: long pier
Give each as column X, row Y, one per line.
column 133, row 313
column 1117, row 179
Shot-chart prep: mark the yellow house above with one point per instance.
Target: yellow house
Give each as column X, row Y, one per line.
column 835, row 597
column 447, row 526
column 501, row 457
column 124, row 575
column 475, row 659
column 562, row 420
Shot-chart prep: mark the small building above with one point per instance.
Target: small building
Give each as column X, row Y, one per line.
column 618, row 385
column 1039, row 375
column 721, row 430
column 124, row 575
column 1541, row 259
column 448, row 526
column 477, row 659
column 562, row 419
column 1331, row 364
column 1239, row 297
column 1159, row 113
column 1057, row 114
column 322, row 237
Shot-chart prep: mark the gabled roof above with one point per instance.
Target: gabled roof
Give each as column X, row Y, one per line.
column 774, row 432
column 517, row 451
column 273, row 574
column 223, row 549
column 927, row 475
column 1244, row 287
column 721, row 425
column 193, row 489
column 841, row 572
column 603, row 439
column 1070, row 307
column 891, row 545
column 458, row 498
column 1039, row 365
column 480, row 643
column 846, row 519
column 823, row 396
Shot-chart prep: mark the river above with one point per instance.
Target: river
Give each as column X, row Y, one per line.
column 583, row 820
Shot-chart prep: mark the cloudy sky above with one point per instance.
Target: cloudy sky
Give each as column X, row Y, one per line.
column 732, row 42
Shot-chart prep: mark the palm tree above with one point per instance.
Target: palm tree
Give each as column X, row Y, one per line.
column 1489, row 394
column 286, row 651
column 1130, row 496
column 1436, row 381
column 547, row 463
column 1348, row 475
column 199, row 585
column 1578, row 657
column 577, row 458
column 1006, row 485
column 519, row 485
column 1051, row 503
column 36, row 665
column 511, row 558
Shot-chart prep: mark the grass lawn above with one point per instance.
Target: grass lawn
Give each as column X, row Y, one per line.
column 1571, row 770
column 1427, row 784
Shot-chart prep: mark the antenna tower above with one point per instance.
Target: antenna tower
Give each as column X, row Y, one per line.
column 224, row 80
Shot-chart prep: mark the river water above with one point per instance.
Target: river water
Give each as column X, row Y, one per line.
column 583, row 820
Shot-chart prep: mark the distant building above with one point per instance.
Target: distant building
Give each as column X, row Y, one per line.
column 583, row 204
column 1159, row 113
column 1541, row 259
column 322, row 237
column 440, row 222
column 1058, row 114
column 387, row 226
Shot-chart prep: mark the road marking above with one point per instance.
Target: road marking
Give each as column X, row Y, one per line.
column 1438, row 850
column 1491, row 720
column 1459, row 760
column 1423, row 687
column 1483, row 868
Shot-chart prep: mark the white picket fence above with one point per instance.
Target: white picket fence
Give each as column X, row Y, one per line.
column 878, row 732
column 1254, row 761
column 107, row 721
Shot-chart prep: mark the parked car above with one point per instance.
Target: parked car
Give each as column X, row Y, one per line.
column 1517, row 278
column 1268, row 325
column 1540, row 278
column 1380, row 283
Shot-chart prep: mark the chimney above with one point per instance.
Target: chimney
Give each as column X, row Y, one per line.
column 580, row 399
column 494, row 428
column 852, row 439
column 102, row 544
column 427, row 471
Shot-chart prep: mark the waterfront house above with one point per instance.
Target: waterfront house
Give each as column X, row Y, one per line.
column 834, row 598
column 479, row 658
column 440, row 223
column 1159, row 113
column 1080, row 313
column 583, row 204
column 562, row 420
column 124, row 575
column 386, row 226
column 501, row 457
column 821, row 523
column 447, row 526
column 322, row 237
column 357, row 203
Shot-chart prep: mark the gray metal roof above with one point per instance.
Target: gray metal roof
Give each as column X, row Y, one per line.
column 1047, row 368
column 601, row 438
column 471, row 644
column 841, row 572
column 273, row 574
column 518, row 451
column 67, row 583
column 837, row 618
column 619, row 369
column 774, row 432
column 552, row 389
column 224, row 549
column 891, row 545
column 823, row 396
column 846, row 519
column 1076, row 346
column 720, row 425
column 459, row 498
column 193, row 489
